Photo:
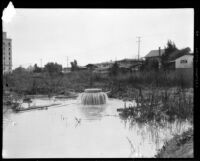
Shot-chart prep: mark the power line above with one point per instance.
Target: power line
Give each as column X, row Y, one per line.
column 139, row 37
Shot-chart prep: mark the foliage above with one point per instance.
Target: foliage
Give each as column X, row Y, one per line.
column 22, row 81
column 74, row 66
column 160, row 105
column 19, row 70
column 150, row 65
column 114, row 70
column 182, row 52
column 37, row 69
column 171, row 47
column 53, row 68
column 154, row 78
column 19, row 80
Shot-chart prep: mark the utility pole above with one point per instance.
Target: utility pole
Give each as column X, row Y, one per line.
column 41, row 62
column 67, row 62
column 139, row 37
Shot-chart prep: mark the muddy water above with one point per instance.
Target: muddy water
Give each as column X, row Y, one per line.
column 74, row 130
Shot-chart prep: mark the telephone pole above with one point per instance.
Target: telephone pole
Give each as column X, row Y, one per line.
column 139, row 37
column 67, row 62
column 41, row 62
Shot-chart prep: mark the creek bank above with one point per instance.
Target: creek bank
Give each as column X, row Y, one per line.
column 156, row 104
column 18, row 102
column 180, row 146
column 129, row 93
column 161, row 104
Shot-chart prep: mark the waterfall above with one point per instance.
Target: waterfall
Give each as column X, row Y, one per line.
column 93, row 96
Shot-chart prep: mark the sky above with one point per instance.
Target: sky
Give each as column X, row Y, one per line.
column 94, row 35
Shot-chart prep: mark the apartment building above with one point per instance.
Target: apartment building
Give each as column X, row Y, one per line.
column 7, row 54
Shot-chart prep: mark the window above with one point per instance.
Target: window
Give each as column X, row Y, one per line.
column 183, row 61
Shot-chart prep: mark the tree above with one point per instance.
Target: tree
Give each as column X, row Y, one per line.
column 74, row 66
column 53, row 68
column 19, row 70
column 37, row 69
column 183, row 52
column 170, row 48
column 52, row 76
column 114, row 70
column 150, row 65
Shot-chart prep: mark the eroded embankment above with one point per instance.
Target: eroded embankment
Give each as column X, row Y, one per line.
column 180, row 146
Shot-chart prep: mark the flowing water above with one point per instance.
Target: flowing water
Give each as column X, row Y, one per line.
column 93, row 96
column 74, row 130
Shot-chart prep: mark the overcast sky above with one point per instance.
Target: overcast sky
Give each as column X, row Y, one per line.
column 94, row 35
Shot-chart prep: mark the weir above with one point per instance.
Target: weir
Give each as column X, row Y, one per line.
column 93, row 96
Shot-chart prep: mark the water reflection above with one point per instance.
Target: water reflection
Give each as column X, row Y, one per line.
column 149, row 137
column 92, row 112
column 74, row 130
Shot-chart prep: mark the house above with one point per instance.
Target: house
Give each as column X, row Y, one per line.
column 105, row 65
column 183, row 65
column 104, row 71
column 181, row 62
column 103, row 68
column 82, row 68
column 91, row 66
column 155, row 55
column 129, row 65
column 136, row 67
column 184, row 62
column 125, row 65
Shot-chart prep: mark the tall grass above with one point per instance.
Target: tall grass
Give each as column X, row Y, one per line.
column 161, row 105
column 156, row 78
column 25, row 82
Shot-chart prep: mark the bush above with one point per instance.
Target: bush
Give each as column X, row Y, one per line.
column 156, row 79
column 25, row 82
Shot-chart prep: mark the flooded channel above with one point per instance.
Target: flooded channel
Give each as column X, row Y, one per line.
column 75, row 130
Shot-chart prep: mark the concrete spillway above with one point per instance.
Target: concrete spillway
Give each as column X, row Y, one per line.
column 93, row 96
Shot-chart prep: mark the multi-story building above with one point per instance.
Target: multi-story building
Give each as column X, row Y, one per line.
column 7, row 54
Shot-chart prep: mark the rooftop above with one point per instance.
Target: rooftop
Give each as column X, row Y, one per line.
column 154, row 53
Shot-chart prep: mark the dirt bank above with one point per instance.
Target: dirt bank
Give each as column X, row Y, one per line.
column 180, row 146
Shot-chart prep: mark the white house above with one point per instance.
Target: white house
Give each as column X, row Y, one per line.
column 185, row 61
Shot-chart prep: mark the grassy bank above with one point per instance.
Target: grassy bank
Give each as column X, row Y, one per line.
column 159, row 104
column 157, row 93
column 44, row 83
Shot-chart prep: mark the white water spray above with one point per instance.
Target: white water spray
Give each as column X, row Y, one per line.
column 93, row 96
